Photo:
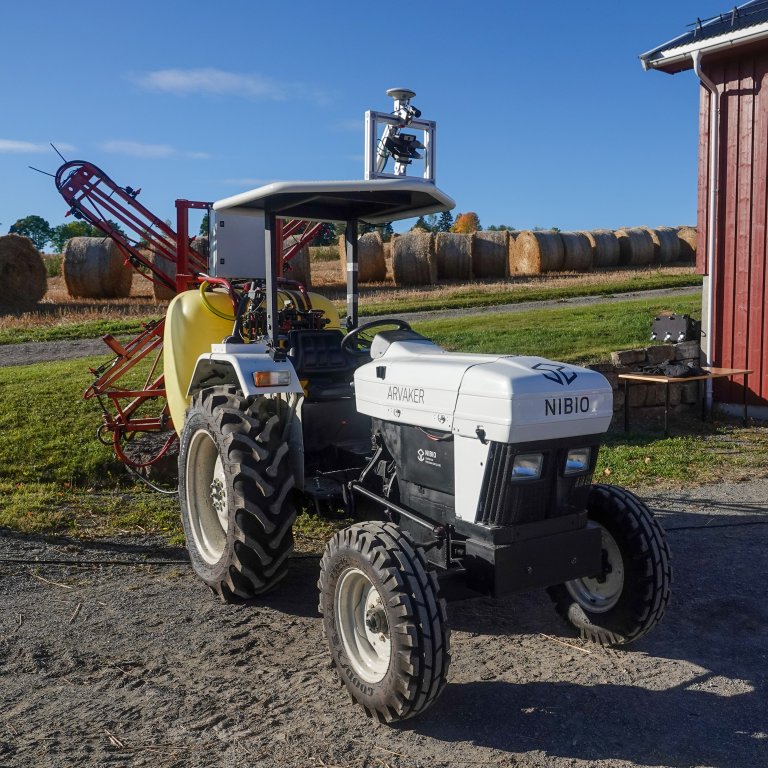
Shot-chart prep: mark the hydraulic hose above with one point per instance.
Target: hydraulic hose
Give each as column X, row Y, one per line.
column 207, row 304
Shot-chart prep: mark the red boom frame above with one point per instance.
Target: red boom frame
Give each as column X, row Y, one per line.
column 96, row 198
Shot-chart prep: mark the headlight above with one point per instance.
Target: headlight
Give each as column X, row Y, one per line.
column 527, row 466
column 577, row 461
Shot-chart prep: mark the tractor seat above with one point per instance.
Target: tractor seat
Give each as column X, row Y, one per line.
column 318, row 358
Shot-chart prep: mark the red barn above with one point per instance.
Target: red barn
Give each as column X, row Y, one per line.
column 729, row 54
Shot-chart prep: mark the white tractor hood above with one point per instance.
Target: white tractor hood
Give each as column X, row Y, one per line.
column 507, row 399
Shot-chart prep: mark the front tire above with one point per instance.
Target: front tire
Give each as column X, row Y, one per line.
column 630, row 596
column 384, row 620
column 234, row 484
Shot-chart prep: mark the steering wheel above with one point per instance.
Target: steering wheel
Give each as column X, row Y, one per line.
column 359, row 339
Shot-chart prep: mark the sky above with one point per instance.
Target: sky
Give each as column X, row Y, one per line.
column 544, row 114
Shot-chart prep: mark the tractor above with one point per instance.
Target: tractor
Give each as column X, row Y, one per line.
column 467, row 474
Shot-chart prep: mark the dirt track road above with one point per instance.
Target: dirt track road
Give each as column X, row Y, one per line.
column 48, row 351
column 140, row 666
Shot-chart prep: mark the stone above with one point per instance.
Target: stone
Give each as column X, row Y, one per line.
column 687, row 350
column 654, row 395
column 689, row 393
column 637, row 395
column 660, row 354
column 628, row 357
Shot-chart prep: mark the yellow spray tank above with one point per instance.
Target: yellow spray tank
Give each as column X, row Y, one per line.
column 193, row 323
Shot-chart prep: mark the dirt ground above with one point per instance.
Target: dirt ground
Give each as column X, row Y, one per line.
column 106, row 664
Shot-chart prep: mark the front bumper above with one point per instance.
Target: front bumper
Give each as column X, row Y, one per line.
column 531, row 562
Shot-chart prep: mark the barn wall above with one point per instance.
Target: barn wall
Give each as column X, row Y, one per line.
column 740, row 338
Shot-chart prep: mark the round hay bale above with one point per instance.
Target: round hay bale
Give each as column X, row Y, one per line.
column 578, row 256
column 201, row 245
column 168, row 268
column 635, row 247
column 413, row 260
column 298, row 268
column 688, row 238
column 490, row 254
column 22, row 274
column 371, row 261
column 666, row 245
column 605, row 248
column 453, row 252
column 537, row 252
column 94, row 268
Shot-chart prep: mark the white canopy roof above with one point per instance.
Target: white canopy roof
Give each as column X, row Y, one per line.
column 375, row 201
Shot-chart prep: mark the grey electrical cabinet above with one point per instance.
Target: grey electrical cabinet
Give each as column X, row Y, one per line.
column 237, row 247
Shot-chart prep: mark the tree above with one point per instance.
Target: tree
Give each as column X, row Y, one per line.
column 445, row 222
column 501, row 228
column 420, row 224
column 36, row 228
column 466, row 223
column 62, row 233
column 204, row 225
column 327, row 235
column 386, row 230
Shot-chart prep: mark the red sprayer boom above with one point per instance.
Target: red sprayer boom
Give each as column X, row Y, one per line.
column 141, row 236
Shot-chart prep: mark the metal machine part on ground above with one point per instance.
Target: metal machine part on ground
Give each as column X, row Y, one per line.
column 468, row 474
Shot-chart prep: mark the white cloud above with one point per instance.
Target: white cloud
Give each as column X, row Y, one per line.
column 137, row 149
column 219, row 82
column 12, row 146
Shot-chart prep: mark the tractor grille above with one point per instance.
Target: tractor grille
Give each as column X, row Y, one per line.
column 503, row 502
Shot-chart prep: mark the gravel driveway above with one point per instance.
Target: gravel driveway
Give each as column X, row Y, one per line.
column 139, row 665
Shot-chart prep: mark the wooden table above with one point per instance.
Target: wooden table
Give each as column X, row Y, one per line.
column 652, row 378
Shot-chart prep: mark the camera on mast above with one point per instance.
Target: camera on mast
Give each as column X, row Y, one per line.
column 385, row 139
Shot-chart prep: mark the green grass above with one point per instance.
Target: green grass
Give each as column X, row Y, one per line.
column 705, row 453
column 476, row 296
column 573, row 334
column 83, row 330
column 324, row 253
column 55, row 475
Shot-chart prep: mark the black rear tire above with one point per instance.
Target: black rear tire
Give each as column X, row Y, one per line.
column 631, row 595
column 384, row 621
column 234, row 490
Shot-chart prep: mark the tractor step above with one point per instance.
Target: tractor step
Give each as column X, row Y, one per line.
column 321, row 488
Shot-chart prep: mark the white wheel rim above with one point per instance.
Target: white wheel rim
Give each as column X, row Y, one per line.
column 361, row 620
column 600, row 594
column 206, row 497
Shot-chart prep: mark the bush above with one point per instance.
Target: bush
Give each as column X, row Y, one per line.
column 324, row 253
column 53, row 265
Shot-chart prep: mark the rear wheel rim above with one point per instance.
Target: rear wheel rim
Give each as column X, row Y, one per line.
column 206, row 497
column 601, row 594
column 361, row 620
